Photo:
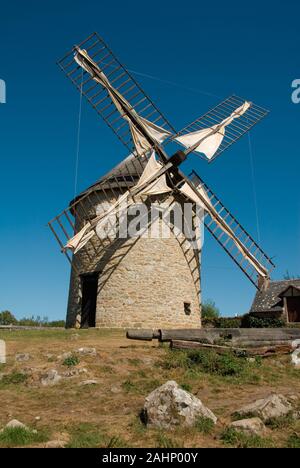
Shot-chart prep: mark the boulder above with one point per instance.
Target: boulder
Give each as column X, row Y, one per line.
column 64, row 356
column 87, row 351
column 22, row 357
column 251, row 426
column 169, row 406
column 50, row 378
column 15, row 423
column 274, row 406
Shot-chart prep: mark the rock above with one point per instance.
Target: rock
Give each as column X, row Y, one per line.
column 50, row 378
column 115, row 389
column 274, row 406
column 22, row 357
column 87, row 351
column 170, row 405
column 74, row 372
column 37, row 418
column 54, row 444
column 64, row 356
column 88, row 382
column 296, row 358
column 251, row 426
column 15, row 423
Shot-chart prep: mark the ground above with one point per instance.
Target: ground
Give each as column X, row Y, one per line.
column 107, row 414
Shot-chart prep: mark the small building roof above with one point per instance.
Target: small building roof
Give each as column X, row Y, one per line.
column 271, row 298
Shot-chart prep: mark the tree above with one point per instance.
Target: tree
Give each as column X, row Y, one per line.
column 288, row 276
column 210, row 310
column 7, row 318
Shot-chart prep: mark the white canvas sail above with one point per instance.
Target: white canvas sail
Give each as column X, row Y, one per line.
column 155, row 133
column 204, row 202
column 210, row 139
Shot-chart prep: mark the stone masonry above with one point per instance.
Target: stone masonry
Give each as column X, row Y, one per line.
column 143, row 282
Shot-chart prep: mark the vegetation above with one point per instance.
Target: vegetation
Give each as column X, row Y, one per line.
column 223, row 322
column 14, row 378
column 210, row 310
column 107, row 415
column 71, row 361
column 204, row 425
column 7, row 318
column 293, row 441
column 249, row 321
column 240, row 440
column 209, row 361
column 20, row 436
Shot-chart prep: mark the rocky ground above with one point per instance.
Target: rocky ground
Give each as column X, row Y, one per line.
column 88, row 388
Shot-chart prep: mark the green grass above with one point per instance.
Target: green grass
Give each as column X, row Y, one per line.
column 209, row 362
column 19, row 436
column 14, row 378
column 281, row 422
column 293, row 441
column 204, row 425
column 71, row 361
column 237, row 439
column 85, row 435
column 165, row 441
column 185, row 386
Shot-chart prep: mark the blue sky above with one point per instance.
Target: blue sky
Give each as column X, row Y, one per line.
column 208, row 50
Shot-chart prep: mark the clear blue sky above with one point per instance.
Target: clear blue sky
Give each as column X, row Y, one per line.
column 208, row 49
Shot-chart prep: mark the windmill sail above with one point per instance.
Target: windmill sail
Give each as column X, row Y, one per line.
column 222, row 126
column 210, row 139
column 115, row 95
column 145, row 186
column 229, row 233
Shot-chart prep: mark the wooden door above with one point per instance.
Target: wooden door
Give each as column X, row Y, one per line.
column 293, row 308
column 89, row 284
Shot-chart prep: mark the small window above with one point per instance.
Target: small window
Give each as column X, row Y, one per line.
column 187, row 308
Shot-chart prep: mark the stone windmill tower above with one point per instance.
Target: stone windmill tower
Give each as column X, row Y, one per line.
column 141, row 279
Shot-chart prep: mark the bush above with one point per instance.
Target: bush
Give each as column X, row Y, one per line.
column 223, row 322
column 20, row 436
column 71, row 361
column 249, row 321
column 7, row 318
column 234, row 438
column 210, row 310
column 204, row 425
column 207, row 361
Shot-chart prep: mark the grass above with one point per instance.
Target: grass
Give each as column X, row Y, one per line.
column 71, row 361
column 204, row 425
column 281, row 422
column 85, row 435
column 293, row 441
column 240, row 440
column 109, row 418
column 165, row 441
column 197, row 362
column 14, row 378
column 20, row 436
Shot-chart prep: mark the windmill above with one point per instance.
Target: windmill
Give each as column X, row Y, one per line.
column 98, row 273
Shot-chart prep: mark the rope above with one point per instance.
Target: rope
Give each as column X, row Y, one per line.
column 254, row 187
column 78, row 138
column 177, row 85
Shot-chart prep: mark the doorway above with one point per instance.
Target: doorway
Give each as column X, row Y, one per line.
column 293, row 308
column 89, row 287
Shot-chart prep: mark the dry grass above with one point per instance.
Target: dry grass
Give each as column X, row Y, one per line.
column 107, row 414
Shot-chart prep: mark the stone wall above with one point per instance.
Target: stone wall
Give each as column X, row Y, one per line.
column 143, row 282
